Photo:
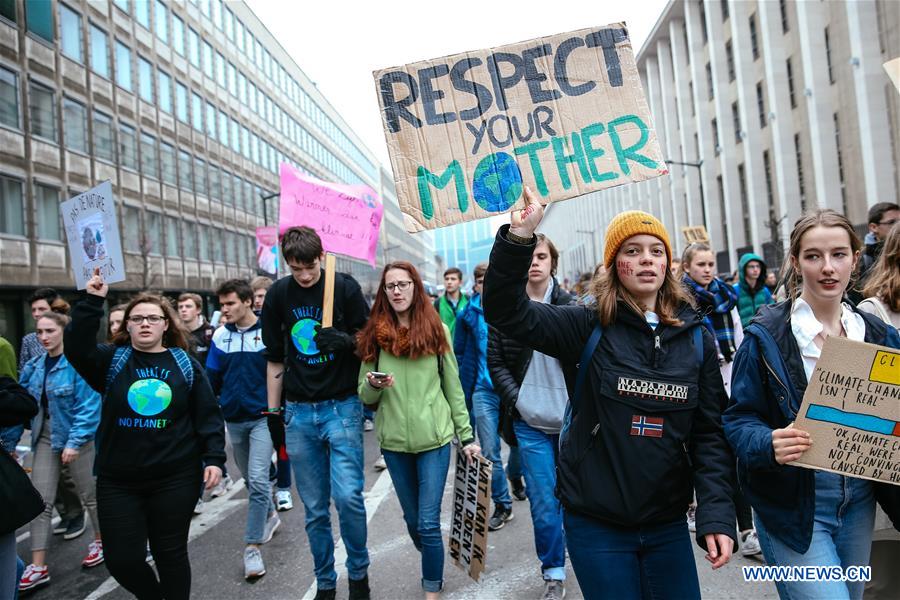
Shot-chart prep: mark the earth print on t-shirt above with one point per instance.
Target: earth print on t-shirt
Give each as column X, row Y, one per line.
column 148, row 397
column 303, row 335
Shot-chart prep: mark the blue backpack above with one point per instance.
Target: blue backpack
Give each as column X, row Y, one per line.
column 123, row 353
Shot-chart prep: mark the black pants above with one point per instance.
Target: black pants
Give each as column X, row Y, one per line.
column 130, row 512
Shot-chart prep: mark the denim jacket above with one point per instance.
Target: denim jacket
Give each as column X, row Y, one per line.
column 73, row 405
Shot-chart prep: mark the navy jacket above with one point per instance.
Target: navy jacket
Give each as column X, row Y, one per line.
column 767, row 386
column 236, row 367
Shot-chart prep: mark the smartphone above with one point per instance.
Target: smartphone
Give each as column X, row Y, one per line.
column 380, row 375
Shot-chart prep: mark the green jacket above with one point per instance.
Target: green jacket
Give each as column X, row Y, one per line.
column 419, row 412
column 448, row 315
column 7, row 360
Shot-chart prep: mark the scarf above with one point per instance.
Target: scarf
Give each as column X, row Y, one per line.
column 715, row 304
column 392, row 340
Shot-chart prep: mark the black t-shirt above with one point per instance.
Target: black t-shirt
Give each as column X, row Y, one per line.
column 289, row 317
column 49, row 363
column 200, row 341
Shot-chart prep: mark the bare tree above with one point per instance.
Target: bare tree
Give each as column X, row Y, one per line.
column 148, row 277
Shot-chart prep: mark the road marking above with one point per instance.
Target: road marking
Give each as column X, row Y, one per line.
column 213, row 513
column 53, row 523
column 373, row 500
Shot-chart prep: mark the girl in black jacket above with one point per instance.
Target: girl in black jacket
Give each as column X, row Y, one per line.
column 645, row 428
column 160, row 424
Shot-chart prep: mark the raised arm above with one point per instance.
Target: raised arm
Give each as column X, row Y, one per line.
column 90, row 360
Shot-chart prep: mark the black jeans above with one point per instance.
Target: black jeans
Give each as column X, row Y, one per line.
column 159, row 509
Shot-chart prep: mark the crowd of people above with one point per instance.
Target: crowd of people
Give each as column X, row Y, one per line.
column 653, row 401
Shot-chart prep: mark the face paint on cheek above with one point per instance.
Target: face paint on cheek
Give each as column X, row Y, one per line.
column 624, row 268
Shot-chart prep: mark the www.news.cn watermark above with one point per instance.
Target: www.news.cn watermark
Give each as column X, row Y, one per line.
column 807, row 573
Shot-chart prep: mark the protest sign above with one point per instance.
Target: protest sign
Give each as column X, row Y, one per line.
column 471, row 502
column 346, row 217
column 564, row 114
column 267, row 249
column 851, row 410
column 92, row 232
column 893, row 70
column 695, row 234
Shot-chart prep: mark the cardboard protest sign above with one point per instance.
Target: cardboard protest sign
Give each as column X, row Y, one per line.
column 92, row 232
column 346, row 217
column 267, row 249
column 471, row 503
column 564, row 114
column 893, row 70
column 851, row 410
column 695, row 234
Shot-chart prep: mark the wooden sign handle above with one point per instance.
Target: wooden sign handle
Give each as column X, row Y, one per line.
column 328, row 300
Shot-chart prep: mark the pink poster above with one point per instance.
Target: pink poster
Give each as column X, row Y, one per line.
column 346, row 217
column 267, row 249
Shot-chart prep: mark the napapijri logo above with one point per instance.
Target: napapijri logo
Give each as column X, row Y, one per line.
column 642, row 388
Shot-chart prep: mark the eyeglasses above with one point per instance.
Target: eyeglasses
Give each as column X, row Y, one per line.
column 403, row 285
column 888, row 223
column 152, row 319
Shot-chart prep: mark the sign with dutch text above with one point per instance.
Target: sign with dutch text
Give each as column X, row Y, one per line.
column 564, row 114
column 92, row 232
column 471, row 503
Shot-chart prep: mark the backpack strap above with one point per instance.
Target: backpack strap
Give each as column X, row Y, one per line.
column 120, row 357
column 184, row 364
column 583, row 366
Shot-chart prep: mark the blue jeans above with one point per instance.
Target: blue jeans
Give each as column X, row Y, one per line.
column 487, row 418
column 325, row 445
column 252, row 447
column 11, row 566
column 842, row 536
column 419, row 480
column 538, row 452
column 627, row 564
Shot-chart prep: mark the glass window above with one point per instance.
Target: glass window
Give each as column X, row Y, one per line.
column 250, row 199
column 43, row 112
column 200, row 177
column 9, row 98
column 252, row 96
column 8, row 10
column 154, row 232
column 162, row 22
column 127, row 146
column 217, row 13
column 220, row 69
column 223, row 128
column 203, row 241
column 70, row 29
column 39, row 18
column 208, row 60
column 235, row 192
column 232, row 80
column 214, row 188
column 254, row 148
column 185, row 172
column 229, row 24
column 181, row 94
column 235, row 136
column 46, row 200
column 99, row 51
column 142, row 12
column 75, row 125
column 104, row 145
column 245, row 142
column 165, row 92
column 228, row 237
column 145, row 79
column 242, row 88
column 12, row 208
column 167, row 163
column 194, row 48
column 178, row 34
column 189, row 238
column 211, row 120
column 240, row 34
column 123, row 66
column 123, row 4
column 204, row 7
column 197, row 111
column 132, row 233
column 226, row 188
column 149, row 164
column 171, row 236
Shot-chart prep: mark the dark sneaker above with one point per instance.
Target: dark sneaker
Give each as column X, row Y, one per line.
column 502, row 515
column 325, row 594
column 554, row 590
column 518, row 488
column 359, row 589
column 60, row 528
column 75, row 528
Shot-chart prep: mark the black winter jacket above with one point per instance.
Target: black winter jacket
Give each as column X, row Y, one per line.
column 605, row 470
column 508, row 362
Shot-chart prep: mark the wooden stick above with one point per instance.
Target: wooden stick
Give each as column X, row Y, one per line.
column 328, row 300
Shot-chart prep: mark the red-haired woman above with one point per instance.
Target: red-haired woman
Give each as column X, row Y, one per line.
column 410, row 371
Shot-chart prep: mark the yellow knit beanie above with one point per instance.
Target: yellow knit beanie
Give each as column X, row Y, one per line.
column 629, row 223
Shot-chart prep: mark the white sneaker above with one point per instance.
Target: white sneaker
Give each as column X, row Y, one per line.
column 272, row 524
column 198, row 508
column 254, row 567
column 380, row 465
column 692, row 518
column 283, row 500
column 368, row 425
column 750, row 544
column 222, row 487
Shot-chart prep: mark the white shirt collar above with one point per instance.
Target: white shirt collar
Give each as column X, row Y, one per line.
column 806, row 327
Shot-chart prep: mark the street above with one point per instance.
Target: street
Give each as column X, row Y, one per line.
column 216, row 549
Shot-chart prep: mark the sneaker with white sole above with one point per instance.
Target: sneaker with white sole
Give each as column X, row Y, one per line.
column 554, row 589
column 254, row 568
column 272, row 524
column 283, row 500
column 222, row 487
column 750, row 544
column 368, row 425
column 692, row 518
column 198, row 508
column 94, row 556
column 380, row 465
column 34, row 576
column 75, row 527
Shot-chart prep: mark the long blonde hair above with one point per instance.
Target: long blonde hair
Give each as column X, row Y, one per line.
column 609, row 289
column 883, row 281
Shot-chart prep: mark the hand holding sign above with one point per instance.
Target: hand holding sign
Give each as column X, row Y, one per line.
column 789, row 444
column 523, row 223
column 471, row 451
column 96, row 286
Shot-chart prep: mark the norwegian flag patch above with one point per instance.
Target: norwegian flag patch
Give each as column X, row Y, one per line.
column 646, row 426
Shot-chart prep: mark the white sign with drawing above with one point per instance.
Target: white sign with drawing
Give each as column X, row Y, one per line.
column 93, row 235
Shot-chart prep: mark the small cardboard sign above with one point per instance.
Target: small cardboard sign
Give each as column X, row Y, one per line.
column 695, row 234
column 564, row 114
column 851, row 410
column 346, row 217
column 471, row 503
column 267, row 249
column 92, row 232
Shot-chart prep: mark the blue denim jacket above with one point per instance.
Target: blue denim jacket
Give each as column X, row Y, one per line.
column 74, row 406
